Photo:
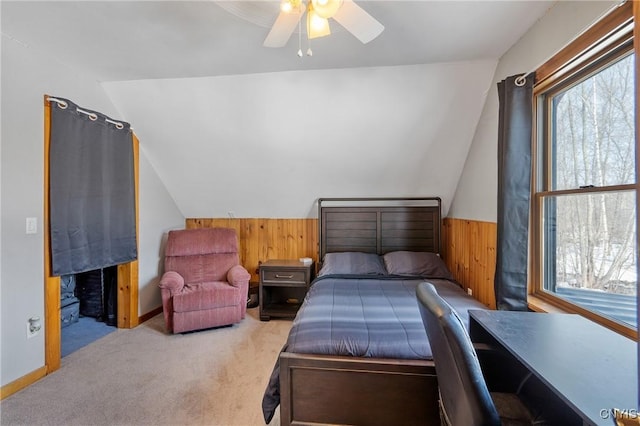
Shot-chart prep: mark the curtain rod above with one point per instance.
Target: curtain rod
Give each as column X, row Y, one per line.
column 520, row 81
column 92, row 115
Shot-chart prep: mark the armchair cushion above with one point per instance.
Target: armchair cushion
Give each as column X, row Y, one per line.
column 201, row 255
column 193, row 242
column 211, row 295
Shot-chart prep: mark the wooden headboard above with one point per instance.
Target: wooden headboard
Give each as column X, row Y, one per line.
column 378, row 225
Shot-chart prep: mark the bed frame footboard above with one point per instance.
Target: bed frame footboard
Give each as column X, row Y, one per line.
column 319, row 390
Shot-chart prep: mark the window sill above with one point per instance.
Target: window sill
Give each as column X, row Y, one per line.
column 539, row 305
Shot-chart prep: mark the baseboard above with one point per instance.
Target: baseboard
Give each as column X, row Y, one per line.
column 21, row 383
column 150, row 314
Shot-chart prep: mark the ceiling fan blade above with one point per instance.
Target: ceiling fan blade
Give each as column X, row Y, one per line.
column 283, row 28
column 355, row 19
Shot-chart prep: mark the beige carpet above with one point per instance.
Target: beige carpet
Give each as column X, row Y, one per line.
column 144, row 376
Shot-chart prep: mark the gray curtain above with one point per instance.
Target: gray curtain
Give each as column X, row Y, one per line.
column 92, row 191
column 514, row 184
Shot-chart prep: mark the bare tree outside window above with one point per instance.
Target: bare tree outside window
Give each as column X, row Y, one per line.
column 591, row 233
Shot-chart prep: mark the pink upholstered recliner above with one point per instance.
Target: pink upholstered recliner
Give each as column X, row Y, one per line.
column 204, row 284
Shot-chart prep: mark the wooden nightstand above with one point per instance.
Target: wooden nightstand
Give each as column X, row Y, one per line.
column 283, row 285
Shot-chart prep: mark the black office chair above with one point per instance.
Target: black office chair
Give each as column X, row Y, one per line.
column 464, row 397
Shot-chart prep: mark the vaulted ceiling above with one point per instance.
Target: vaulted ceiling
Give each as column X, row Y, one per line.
column 232, row 126
column 138, row 40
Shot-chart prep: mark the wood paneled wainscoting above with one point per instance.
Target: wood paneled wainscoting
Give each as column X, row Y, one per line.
column 469, row 250
column 469, row 247
column 264, row 239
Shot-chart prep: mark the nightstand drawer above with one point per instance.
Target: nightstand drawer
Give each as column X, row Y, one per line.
column 299, row 277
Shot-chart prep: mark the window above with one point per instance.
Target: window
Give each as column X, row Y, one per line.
column 584, row 191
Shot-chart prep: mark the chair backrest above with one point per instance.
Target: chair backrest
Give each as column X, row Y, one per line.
column 202, row 255
column 464, row 397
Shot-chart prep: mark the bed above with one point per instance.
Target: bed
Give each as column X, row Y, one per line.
column 357, row 352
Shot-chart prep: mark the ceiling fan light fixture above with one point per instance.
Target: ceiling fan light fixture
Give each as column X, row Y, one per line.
column 317, row 26
column 288, row 6
column 326, row 8
column 346, row 12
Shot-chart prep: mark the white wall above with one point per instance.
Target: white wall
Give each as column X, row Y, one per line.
column 269, row 145
column 26, row 76
column 158, row 215
column 476, row 195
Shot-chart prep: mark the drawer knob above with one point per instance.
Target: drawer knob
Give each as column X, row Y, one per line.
column 284, row 276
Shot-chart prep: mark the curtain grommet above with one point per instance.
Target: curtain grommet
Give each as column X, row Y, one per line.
column 61, row 104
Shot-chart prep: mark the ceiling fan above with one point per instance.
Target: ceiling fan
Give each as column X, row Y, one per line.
column 348, row 14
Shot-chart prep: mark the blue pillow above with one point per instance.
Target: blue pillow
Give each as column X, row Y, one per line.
column 352, row 263
column 423, row 264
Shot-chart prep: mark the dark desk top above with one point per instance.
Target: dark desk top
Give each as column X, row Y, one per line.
column 588, row 366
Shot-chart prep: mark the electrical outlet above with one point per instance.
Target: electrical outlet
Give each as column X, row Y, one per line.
column 33, row 326
column 469, row 291
column 30, row 333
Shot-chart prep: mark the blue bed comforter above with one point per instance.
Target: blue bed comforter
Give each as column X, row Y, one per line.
column 361, row 316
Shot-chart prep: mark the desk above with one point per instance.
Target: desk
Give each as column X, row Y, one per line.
column 589, row 367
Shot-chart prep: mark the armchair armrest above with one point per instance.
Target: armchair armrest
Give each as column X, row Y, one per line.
column 237, row 275
column 172, row 281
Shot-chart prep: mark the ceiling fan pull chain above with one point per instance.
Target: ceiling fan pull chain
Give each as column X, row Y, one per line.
column 299, row 39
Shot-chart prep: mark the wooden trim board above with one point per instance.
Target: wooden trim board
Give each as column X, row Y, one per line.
column 469, row 250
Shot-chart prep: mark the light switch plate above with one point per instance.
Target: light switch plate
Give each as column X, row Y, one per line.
column 32, row 225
